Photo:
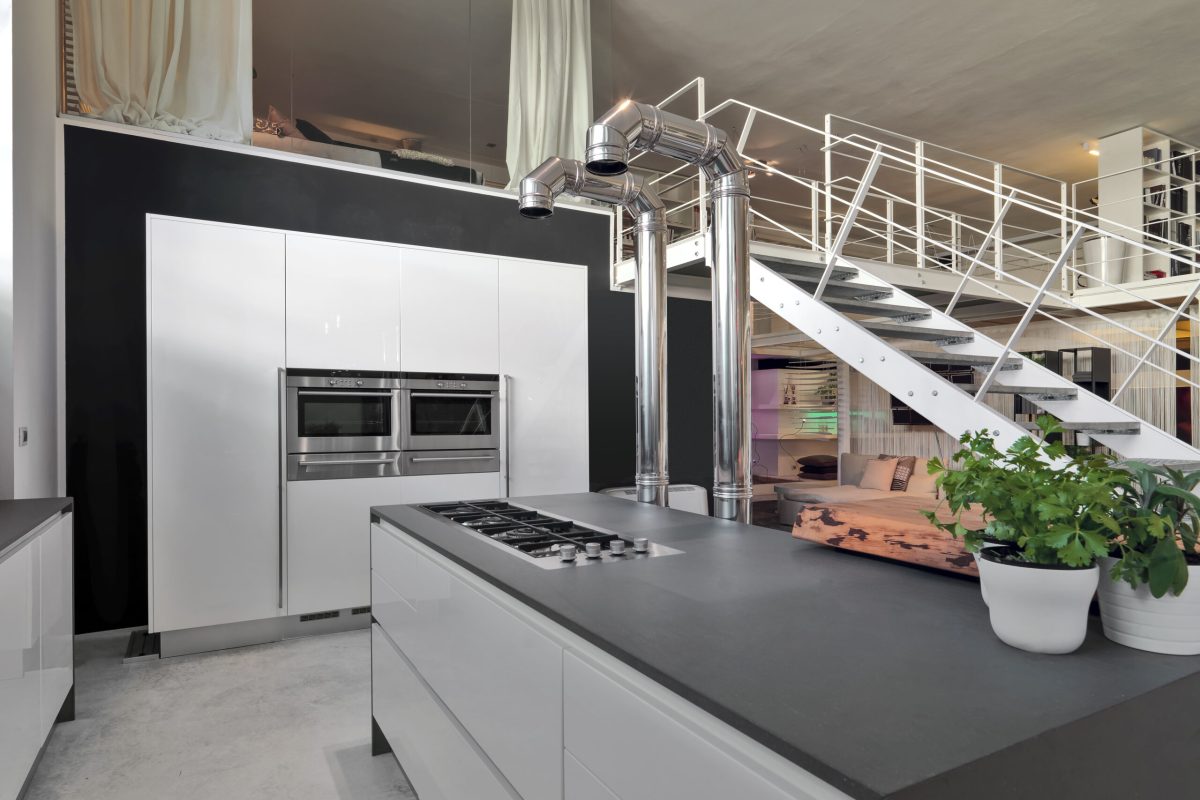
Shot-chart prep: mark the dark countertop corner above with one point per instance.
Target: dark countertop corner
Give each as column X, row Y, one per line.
column 19, row 517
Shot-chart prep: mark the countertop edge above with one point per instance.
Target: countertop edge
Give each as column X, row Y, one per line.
column 20, row 518
column 736, row 721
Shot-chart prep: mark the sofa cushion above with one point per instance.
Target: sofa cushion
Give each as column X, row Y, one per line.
column 878, row 474
column 818, row 464
column 829, row 494
column 904, row 471
column 921, row 481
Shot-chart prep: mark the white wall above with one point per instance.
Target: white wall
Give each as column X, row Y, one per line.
column 28, row 238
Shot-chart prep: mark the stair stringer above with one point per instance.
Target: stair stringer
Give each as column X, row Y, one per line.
column 929, row 394
column 1150, row 443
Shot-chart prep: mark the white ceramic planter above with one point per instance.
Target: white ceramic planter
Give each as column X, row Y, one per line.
column 982, row 588
column 1042, row 610
column 1136, row 618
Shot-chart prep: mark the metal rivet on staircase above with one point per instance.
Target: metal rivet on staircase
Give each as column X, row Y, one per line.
column 818, row 330
column 910, row 394
column 836, row 328
column 781, row 305
column 861, row 359
column 883, row 358
column 995, row 433
column 935, row 392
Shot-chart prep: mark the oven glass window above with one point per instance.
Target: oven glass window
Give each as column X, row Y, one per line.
column 345, row 415
column 447, row 415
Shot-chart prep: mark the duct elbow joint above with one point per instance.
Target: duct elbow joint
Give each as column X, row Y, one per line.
column 539, row 188
column 610, row 137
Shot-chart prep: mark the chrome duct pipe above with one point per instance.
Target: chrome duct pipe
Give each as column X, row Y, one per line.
column 557, row 176
column 636, row 126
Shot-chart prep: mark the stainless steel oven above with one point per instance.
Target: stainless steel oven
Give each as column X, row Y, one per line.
column 339, row 411
column 449, row 412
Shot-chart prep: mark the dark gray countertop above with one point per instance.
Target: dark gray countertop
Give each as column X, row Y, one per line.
column 19, row 517
column 882, row 679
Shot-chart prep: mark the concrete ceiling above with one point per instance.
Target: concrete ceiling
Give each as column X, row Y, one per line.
column 1018, row 81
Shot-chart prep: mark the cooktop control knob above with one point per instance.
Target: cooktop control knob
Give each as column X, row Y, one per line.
column 592, row 549
column 567, row 552
column 641, row 545
column 617, row 547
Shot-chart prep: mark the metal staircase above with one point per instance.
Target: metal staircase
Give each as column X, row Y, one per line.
column 863, row 321
column 856, row 254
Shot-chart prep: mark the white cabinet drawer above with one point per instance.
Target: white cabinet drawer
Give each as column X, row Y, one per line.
column 579, row 784
column 438, row 758
column 499, row 676
column 640, row 751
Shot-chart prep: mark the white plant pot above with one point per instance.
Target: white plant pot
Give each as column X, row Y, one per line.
column 982, row 588
column 1039, row 609
column 1136, row 618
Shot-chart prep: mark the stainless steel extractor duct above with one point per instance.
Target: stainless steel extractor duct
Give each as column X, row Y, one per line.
column 557, row 176
column 636, row 126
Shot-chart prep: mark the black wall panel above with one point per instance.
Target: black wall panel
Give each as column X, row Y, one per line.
column 114, row 180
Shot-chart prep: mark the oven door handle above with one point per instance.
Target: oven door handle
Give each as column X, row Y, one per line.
column 487, row 396
column 325, row 393
column 423, row 459
column 333, row 462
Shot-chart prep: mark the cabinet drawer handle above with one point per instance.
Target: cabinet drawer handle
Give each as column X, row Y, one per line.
column 421, row 459
column 443, row 395
column 345, row 461
column 323, row 393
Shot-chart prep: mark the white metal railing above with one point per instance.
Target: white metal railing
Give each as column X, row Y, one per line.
column 879, row 211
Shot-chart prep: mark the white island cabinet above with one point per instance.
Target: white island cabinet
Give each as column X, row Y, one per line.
column 36, row 644
column 343, row 304
column 216, row 346
column 516, row 706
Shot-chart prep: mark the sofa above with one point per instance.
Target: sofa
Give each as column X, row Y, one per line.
column 882, row 522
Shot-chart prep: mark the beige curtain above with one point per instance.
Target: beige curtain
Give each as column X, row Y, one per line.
column 172, row 65
column 549, row 83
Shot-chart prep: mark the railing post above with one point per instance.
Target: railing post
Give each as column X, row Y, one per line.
column 977, row 258
column 860, row 195
column 891, row 231
column 1062, row 232
column 814, row 228
column 1019, row 331
column 997, row 192
column 1187, row 301
column 919, row 160
column 828, row 151
column 955, row 240
column 702, row 187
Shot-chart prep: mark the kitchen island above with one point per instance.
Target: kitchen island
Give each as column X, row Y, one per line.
column 747, row 665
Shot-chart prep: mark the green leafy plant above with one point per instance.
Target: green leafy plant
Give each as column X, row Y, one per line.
column 1054, row 508
column 1159, row 521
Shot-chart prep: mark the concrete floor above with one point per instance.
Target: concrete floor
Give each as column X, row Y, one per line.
column 286, row 720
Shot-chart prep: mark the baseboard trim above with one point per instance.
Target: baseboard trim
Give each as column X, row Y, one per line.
column 190, row 641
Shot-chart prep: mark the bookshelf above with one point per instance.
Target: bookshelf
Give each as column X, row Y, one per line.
column 793, row 414
column 1149, row 183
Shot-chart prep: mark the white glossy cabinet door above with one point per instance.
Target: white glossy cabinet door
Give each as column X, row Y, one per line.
column 579, row 784
column 57, row 619
column 329, row 541
column 343, row 304
column 21, row 734
column 543, row 350
column 440, row 760
column 216, row 341
column 448, row 313
column 497, row 674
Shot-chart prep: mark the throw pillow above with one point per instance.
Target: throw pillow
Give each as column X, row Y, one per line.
column 904, row 471
column 878, row 474
column 819, row 464
column 921, row 481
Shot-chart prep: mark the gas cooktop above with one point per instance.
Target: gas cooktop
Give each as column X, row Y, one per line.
column 550, row 542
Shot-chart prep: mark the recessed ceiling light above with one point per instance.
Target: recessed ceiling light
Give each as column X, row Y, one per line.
column 1091, row 148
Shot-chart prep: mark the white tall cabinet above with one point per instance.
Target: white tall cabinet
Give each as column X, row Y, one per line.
column 216, row 346
column 448, row 312
column 543, row 353
column 229, row 307
column 343, row 304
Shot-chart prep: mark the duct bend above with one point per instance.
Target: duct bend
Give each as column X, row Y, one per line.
column 637, row 126
column 538, row 190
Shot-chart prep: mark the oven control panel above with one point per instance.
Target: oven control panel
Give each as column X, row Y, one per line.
column 451, row 385
column 347, row 383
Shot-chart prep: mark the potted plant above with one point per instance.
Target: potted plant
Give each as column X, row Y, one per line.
column 1053, row 514
column 1142, row 602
